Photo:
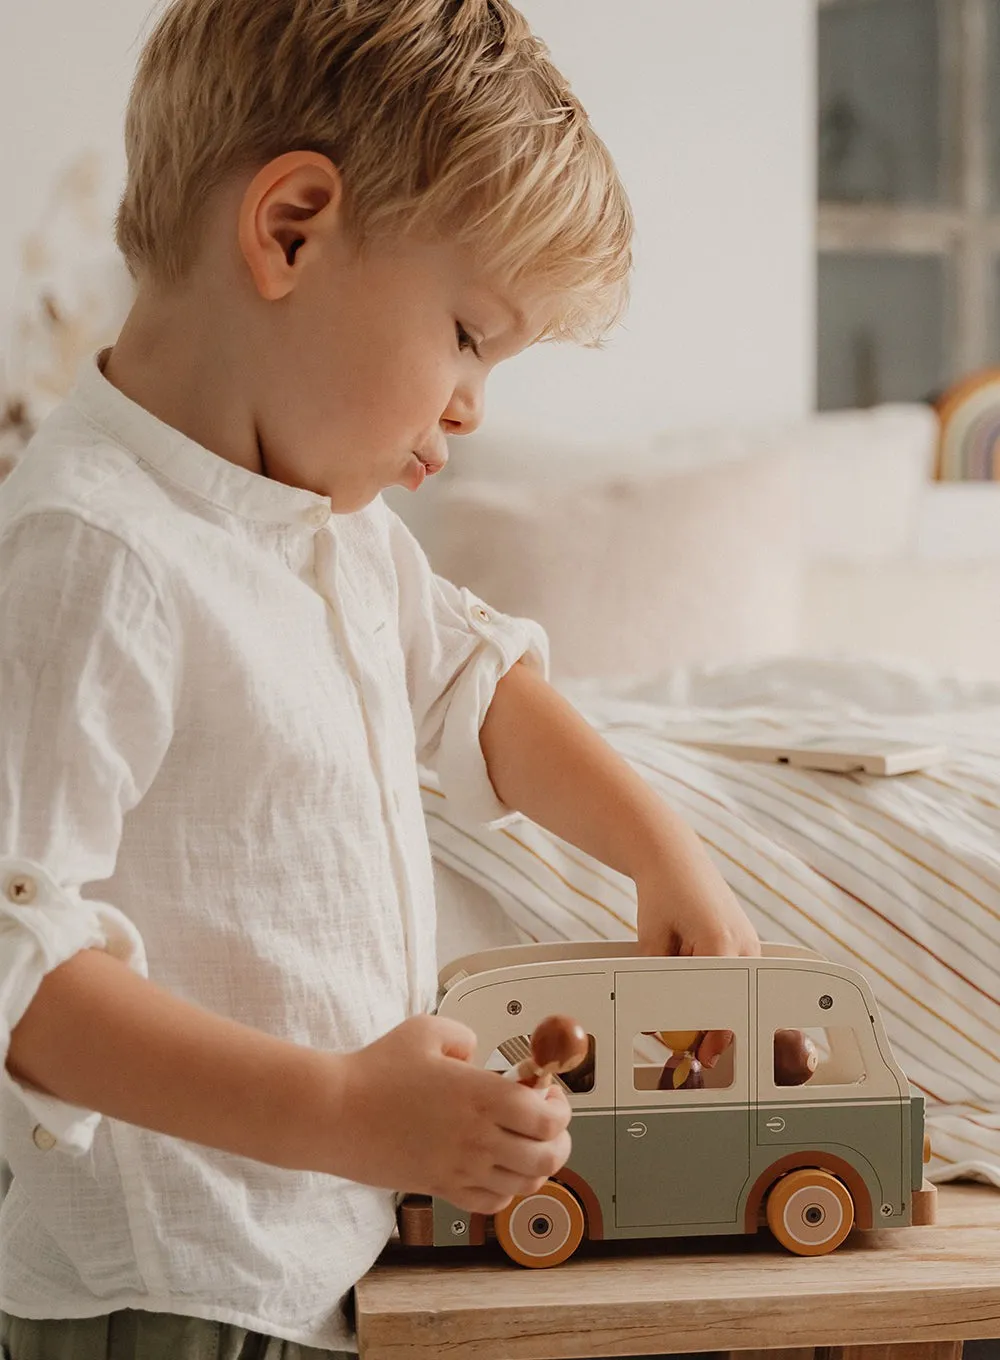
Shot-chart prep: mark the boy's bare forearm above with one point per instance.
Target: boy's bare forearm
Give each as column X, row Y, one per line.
column 545, row 760
column 99, row 1036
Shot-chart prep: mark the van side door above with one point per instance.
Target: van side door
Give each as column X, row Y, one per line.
column 682, row 1156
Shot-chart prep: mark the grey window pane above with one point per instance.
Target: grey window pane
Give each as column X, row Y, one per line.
column 882, row 322
column 993, row 95
column 880, row 103
column 994, row 353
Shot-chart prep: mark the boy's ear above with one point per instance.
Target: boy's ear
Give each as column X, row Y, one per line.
column 288, row 204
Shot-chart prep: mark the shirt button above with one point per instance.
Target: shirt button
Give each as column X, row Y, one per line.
column 42, row 1139
column 21, row 889
column 483, row 615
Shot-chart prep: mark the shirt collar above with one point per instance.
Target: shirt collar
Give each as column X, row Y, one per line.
column 180, row 460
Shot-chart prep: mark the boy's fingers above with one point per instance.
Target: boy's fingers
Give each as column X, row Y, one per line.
column 500, row 1180
column 528, row 1158
column 713, row 1045
column 521, row 1112
column 476, row 1199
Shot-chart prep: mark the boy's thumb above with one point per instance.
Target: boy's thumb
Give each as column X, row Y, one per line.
column 456, row 1040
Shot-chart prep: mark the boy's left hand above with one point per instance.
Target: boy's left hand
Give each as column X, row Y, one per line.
column 704, row 919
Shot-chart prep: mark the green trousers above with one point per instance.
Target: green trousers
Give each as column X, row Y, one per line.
column 135, row 1335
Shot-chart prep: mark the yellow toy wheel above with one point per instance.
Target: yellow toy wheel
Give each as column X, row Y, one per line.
column 810, row 1212
column 543, row 1229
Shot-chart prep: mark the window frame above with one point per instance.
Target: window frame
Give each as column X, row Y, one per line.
column 964, row 232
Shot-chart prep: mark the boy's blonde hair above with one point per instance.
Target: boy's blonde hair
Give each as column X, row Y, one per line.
column 444, row 117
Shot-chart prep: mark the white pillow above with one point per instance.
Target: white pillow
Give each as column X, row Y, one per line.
column 510, row 454
column 634, row 573
column 864, row 477
column 865, row 474
column 512, row 457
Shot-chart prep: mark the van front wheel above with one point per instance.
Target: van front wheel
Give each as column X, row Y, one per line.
column 810, row 1212
column 543, row 1229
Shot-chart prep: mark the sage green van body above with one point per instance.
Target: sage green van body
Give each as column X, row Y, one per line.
column 650, row 1163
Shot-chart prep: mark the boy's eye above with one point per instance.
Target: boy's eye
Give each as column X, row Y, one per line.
column 465, row 340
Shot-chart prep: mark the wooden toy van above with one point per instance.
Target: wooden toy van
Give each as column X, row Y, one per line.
column 653, row 1155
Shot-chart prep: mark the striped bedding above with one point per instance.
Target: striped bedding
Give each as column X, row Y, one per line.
column 899, row 878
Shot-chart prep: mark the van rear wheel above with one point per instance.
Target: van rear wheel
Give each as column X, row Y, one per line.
column 543, row 1229
column 810, row 1212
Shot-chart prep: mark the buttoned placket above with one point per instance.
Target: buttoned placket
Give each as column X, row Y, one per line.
column 335, row 589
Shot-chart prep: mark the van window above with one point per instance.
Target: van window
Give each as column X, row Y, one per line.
column 579, row 1080
column 664, row 1060
column 819, row 1056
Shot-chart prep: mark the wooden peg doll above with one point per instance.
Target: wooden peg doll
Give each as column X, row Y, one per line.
column 558, row 1044
column 682, row 1070
column 796, row 1057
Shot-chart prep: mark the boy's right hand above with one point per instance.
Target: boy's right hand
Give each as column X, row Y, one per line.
column 418, row 1116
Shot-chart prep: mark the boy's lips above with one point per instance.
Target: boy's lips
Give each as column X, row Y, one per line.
column 420, row 466
column 433, row 462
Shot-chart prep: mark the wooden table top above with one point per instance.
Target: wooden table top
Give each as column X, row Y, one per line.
column 628, row 1298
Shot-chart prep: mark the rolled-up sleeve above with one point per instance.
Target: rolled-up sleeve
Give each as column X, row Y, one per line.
column 457, row 650
column 87, row 681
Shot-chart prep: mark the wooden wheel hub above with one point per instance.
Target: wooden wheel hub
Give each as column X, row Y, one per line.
column 810, row 1212
column 543, row 1229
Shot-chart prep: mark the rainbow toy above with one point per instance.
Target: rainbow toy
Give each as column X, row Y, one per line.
column 969, row 442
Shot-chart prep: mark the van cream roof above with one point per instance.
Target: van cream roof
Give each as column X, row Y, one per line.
column 486, row 960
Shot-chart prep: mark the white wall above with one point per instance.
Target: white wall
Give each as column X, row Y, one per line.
column 707, row 105
column 65, row 68
column 708, row 108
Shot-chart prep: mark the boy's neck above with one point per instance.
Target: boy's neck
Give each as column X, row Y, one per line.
column 173, row 361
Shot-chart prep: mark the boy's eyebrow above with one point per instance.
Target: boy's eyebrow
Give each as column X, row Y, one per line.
column 515, row 313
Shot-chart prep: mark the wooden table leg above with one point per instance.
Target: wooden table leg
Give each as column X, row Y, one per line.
column 905, row 1350
column 800, row 1353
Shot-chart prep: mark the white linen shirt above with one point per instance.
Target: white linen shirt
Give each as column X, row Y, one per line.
column 214, row 695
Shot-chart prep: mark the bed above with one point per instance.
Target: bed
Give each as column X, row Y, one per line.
column 899, row 877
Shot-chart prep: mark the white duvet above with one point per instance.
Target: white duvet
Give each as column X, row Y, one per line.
column 899, row 878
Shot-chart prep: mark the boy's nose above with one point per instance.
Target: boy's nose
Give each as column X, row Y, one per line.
column 464, row 413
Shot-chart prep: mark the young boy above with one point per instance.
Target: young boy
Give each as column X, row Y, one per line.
column 222, row 658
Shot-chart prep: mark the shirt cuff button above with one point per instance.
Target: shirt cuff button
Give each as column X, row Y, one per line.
column 21, row 889
column 42, row 1139
column 483, row 615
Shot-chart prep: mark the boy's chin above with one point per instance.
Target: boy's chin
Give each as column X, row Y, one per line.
column 345, row 500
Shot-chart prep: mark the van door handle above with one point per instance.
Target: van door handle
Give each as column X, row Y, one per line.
column 775, row 1125
column 636, row 1130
